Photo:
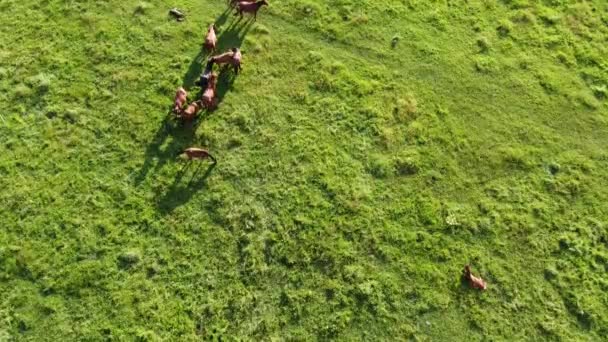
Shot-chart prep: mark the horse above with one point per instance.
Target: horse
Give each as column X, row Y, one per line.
column 236, row 60
column 249, row 7
column 180, row 100
column 204, row 79
column 196, row 153
column 233, row 57
column 191, row 111
column 208, row 98
column 210, row 39
column 474, row 282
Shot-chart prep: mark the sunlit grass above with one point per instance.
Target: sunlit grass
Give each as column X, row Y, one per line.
column 368, row 151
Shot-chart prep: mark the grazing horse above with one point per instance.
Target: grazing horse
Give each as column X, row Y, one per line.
column 180, row 100
column 195, row 153
column 210, row 39
column 232, row 57
column 209, row 100
column 249, row 7
column 191, row 111
column 474, row 282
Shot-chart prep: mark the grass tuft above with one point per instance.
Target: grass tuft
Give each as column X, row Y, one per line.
column 406, row 166
column 486, row 65
column 143, row 7
column 128, row 259
column 504, row 28
column 406, row 108
column 483, row 44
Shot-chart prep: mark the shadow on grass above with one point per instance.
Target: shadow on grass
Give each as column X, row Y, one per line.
column 180, row 193
column 228, row 37
column 181, row 134
column 196, row 66
column 232, row 37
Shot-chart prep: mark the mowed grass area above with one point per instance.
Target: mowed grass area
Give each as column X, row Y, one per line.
column 368, row 151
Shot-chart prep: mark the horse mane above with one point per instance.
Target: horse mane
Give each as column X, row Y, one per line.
column 467, row 271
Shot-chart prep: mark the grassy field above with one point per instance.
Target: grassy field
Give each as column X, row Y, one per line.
column 368, row 151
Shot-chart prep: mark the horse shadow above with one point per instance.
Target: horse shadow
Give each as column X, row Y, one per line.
column 227, row 37
column 233, row 37
column 231, row 33
column 178, row 194
column 196, row 66
column 181, row 134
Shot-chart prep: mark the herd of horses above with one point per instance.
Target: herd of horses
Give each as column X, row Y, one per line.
column 208, row 79
column 208, row 82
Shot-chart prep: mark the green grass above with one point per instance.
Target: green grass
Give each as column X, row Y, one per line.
column 367, row 152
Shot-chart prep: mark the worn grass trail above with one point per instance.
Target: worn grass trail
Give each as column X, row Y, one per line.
column 355, row 179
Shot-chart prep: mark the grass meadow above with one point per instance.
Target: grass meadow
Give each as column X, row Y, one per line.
column 367, row 152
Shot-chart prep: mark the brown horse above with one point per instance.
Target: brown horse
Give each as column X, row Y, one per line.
column 474, row 282
column 249, row 7
column 232, row 57
column 196, row 153
column 210, row 39
column 236, row 60
column 208, row 98
column 180, row 100
column 191, row 111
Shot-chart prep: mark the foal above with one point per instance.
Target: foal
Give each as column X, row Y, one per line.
column 210, row 39
column 249, row 7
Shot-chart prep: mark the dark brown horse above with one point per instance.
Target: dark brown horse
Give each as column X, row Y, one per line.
column 204, row 79
column 249, row 7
